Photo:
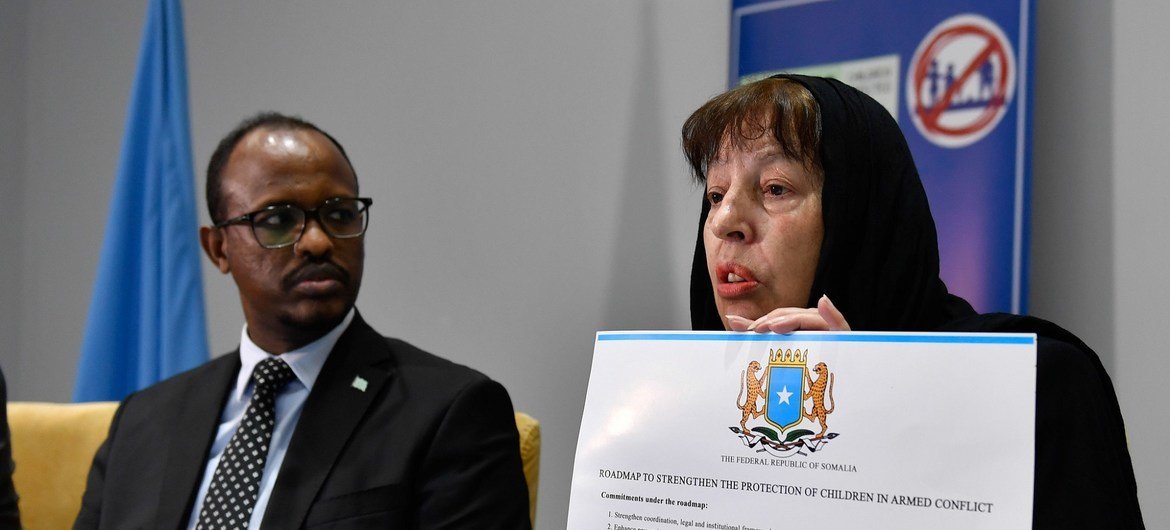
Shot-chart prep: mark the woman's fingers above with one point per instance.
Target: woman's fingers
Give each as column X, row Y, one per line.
column 824, row 317
column 831, row 315
column 793, row 322
column 738, row 323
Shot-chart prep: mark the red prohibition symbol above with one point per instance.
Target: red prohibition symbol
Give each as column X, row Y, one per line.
column 961, row 81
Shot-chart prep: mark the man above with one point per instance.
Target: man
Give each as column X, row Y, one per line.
column 342, row 428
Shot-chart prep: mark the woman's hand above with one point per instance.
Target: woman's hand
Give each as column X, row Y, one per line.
column 824, row 317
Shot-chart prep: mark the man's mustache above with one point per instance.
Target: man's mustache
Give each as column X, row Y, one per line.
column 317, row 271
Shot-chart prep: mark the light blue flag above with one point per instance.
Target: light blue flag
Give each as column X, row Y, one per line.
column 146, row 319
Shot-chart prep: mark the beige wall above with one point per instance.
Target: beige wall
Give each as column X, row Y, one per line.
column 12, row 57
column 1141, row 231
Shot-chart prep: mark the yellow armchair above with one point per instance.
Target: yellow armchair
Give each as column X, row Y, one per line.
column 530, row 453
column 53, row 446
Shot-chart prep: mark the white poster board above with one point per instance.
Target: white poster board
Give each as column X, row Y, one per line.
column 836, row 430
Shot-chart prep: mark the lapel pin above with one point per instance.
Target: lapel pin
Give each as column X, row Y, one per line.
column 360, row 383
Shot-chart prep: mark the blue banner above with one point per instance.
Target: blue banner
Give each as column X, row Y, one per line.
column 146, row 319
column 957, row 77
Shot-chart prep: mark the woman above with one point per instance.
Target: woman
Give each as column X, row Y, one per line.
column 812, row 196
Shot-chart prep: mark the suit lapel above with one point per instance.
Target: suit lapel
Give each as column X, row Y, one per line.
column 332, row 412
column 192, row 431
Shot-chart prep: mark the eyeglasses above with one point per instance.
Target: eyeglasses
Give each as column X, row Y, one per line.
column 281, row 225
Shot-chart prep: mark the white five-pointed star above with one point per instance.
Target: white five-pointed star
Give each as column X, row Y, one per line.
column 784, row 395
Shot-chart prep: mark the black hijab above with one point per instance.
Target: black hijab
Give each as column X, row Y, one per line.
column 879, row 264
column 879, row 257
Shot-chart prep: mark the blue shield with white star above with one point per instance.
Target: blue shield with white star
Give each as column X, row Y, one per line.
column 785, row 384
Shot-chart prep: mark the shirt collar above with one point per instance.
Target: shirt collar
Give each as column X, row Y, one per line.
column 306, row 361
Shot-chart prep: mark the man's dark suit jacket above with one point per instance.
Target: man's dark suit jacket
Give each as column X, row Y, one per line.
column 427, row 444
column 9, row 512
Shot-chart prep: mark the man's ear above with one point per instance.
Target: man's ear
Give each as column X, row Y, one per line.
column 215, row 246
